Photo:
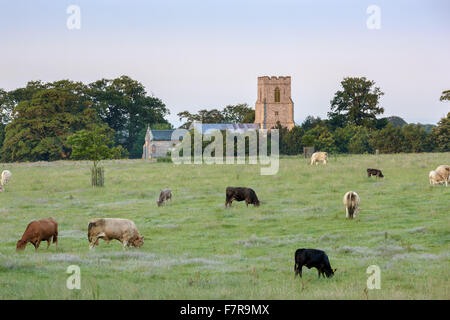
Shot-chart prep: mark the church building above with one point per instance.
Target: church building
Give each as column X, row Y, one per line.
column 274, row 104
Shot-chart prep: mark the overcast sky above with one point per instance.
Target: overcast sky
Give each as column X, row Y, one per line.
column 208, row 54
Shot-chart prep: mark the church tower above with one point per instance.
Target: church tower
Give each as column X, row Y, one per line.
column 274, row 102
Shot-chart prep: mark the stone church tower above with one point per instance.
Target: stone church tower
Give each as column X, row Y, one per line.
column 274, row 102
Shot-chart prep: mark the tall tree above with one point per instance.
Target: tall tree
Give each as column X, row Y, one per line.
column 441, row 134
column 125, row 106
column 358, row 102
column 445, row 95
column 41, row 125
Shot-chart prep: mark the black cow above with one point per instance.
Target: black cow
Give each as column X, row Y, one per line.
column 241, row 194
column 374, row 172
column 313, row 258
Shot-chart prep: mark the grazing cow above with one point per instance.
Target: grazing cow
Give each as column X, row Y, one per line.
column 351, row 202
column 165, row 195
column 374, row 172
column 436, row 178
column 37, row 231
column 313, row 258
column 319, row 156
column 241, row 194
column 6, row 176
column 108, row 229
column 444, row 171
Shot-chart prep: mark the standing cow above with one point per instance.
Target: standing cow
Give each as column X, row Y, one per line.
column 351, row 202
column 313, row 258
column 165, row 195
column 241, row 194
column 108, row 229
column 6, row 176
column 319, row 156
column 37, row 231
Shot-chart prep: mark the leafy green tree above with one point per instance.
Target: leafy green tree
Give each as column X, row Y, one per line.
column 291, row 141
column 321, row 138
column 311, row 122
column 358, row 102
column 445, row 95
column 239, row 113
column 441, row 134
column 359, row 142
column 415, row 139
column 124, row 105
column 41, row 125
column 342, row 137
column 387, row 140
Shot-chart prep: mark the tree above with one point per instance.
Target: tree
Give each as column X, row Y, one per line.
column 321, row 138
column 239, row 113
column 445, row 95
column 358, row 102
column 441, row 134
column 94, row 145
column 415, row 139
column 40, row 125
column 310, row 122
column 387, row 140
column 124, row 105
column 359, row 142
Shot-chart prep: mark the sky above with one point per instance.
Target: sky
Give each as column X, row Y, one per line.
column 196, row 54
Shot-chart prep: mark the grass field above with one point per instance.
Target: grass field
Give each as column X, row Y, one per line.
column 196, row 249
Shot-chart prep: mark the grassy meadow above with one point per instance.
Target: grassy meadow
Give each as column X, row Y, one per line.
column 196, row 249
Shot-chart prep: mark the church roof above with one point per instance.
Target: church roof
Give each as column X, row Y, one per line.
column 162, row 135
column 236, row 127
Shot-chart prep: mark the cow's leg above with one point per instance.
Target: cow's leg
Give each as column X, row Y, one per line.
column 346, row 212
column 48, row 243
column 124, row 244
column 93, row 243
column 37, row 244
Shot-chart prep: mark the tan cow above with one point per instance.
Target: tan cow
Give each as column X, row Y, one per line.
column 436, row 178
column 351, row 202
column 319, row 156
column 444, row 172
column 108, row 229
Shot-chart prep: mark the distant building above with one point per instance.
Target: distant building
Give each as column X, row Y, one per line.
column 274, row 102
column 235, row 127
column 157, row 143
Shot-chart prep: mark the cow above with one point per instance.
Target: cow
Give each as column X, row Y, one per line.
column 6, row 176
column 351, row 202
column 37, row 231
column 444, row 171
column 165, row 195
column 374, row 172
column 108, row 229
column 319, row 156
column 241, row 194
column 436, row 178
column 313, row 258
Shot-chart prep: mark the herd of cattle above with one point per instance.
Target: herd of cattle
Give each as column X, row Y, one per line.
column 125, row 231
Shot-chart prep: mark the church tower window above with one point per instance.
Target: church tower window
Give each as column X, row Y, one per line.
column 277, row 94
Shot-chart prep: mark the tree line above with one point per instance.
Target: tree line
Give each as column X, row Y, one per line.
column 353, row 125
column 37, row 120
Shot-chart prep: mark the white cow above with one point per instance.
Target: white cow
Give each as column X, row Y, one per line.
column 319, row 156
column 351, row 202
column 6, row 176
column 444, row 172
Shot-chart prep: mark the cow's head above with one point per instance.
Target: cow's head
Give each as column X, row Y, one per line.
column 159, row 203
column 137, row 243
column 21, row 245
column 330, row 273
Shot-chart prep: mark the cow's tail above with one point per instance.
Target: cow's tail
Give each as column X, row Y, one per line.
column 351, row 203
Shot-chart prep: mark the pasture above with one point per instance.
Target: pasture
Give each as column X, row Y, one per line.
column 196, row 249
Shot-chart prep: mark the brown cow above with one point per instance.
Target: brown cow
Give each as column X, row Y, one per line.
column 37, row 231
